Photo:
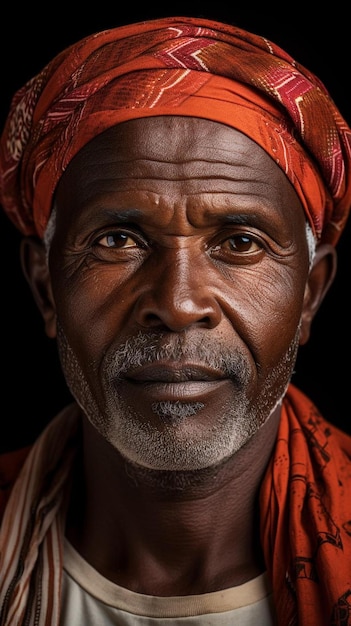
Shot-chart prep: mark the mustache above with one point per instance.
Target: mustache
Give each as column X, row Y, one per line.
column 145, row 348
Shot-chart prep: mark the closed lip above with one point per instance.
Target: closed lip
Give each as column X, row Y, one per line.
column 174, row 373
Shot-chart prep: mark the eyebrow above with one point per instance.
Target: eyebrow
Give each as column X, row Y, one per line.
column 124, row 215
column 239, row 218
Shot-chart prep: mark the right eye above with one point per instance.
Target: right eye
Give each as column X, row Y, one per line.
column 118, row 239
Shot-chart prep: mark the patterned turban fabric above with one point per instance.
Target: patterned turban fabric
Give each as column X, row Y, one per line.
column 176, row 66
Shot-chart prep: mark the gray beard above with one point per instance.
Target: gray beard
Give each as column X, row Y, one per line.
column 178, row 444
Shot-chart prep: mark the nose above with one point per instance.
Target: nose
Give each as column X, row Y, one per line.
column 177, row 293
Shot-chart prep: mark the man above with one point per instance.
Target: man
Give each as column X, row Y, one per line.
column 181, row 186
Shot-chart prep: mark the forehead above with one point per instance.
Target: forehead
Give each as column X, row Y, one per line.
column 172, row 161
column 173, row 139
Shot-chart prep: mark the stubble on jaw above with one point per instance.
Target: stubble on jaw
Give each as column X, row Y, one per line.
column 180, row 453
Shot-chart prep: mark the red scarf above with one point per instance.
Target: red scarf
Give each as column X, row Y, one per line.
column 305, row 522
column 306, row 518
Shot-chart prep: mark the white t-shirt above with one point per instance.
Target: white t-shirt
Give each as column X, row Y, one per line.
column 89, row 599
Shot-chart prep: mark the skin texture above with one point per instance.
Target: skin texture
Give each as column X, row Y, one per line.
column 178, row 289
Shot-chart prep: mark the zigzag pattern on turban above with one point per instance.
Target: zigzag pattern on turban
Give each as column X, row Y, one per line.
column 176, row 66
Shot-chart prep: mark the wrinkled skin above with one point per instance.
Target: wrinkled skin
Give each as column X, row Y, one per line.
column 179, row 290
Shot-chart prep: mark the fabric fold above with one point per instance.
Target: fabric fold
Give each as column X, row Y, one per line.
column 305, row 521
column 176, row 66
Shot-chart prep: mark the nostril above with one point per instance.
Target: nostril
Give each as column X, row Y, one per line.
column 152, row 320
column 155, row 311
column 167, row 324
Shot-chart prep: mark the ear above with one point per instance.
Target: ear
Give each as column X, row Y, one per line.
column 319, row 280
column 36, row 271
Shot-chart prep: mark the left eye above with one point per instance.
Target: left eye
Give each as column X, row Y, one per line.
column 240, row 244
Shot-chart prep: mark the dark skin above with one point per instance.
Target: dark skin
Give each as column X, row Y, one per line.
column 195, row 241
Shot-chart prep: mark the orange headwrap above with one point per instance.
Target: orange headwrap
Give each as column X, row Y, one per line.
column 176, row 66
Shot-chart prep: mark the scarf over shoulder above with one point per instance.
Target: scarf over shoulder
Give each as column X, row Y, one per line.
column 305, row 518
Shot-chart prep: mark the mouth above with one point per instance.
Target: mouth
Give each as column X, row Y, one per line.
column 175, row 382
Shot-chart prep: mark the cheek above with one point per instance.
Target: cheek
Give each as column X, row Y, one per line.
column 265, row 307
column 92, row 308
column 276, row 297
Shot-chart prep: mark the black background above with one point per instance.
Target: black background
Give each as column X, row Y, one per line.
column 33, row 389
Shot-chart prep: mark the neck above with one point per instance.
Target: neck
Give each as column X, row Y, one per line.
column 167, row 533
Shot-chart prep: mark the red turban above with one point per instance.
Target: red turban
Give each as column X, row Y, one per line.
column 176, row 66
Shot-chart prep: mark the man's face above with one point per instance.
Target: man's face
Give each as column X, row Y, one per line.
column 178, row 267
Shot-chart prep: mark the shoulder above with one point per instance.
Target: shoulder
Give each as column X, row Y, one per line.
column 10, row 466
